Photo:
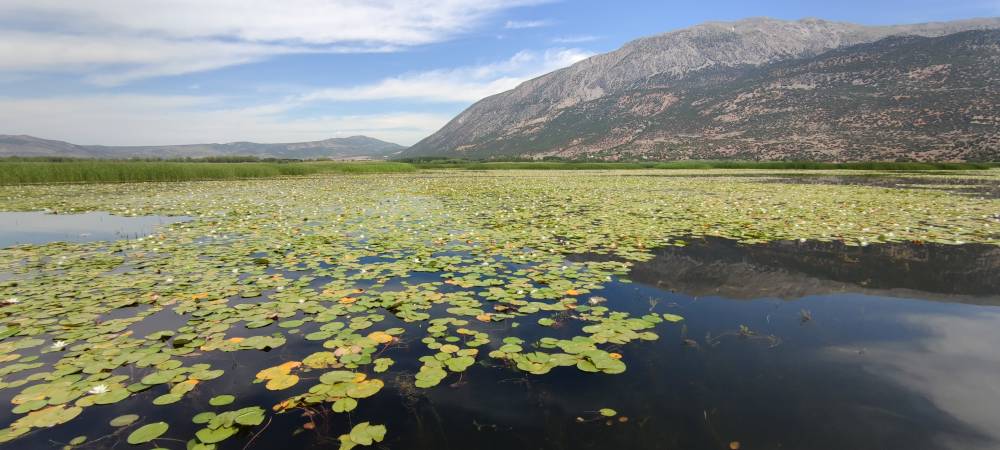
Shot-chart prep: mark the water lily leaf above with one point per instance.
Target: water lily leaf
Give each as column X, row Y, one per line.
column 167, row 399
column 124, row 421
column 221, row 400
column 147, row 433
column 250, row 416
column 48, row 417
column 344, row 405
column 212, row 436
column 282, row 382
column 203, row 418
column 460, row 363
column 382, row 364
column 113, row 396
column 337, row 376
column 672, row 318
column 320, row 360
column 365, row 388
column 366, row 434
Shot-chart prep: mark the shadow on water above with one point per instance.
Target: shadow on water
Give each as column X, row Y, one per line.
column 787, row 269
column 809, row 346
column 971, row 187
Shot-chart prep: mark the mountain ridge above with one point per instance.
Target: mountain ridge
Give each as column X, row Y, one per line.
column 351, row 147
column 668, row 57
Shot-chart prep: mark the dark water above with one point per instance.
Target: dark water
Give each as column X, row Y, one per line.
column 784, row 346
column 985, row 188
column 39, row 227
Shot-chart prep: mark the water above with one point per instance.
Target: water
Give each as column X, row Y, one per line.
column 784, row 346
column 39, row 228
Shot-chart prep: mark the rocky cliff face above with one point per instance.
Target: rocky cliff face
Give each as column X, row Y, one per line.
column 650, row 96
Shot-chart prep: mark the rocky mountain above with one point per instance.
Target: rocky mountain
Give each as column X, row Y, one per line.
column 354, row 147
column 754, row 89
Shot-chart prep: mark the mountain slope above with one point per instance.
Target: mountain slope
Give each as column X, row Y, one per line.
column 354, row 147
column 526, row 119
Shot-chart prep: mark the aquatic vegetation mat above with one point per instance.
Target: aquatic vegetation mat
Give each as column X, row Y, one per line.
column 322, row 291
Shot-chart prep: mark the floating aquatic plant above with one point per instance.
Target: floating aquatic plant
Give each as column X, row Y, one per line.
column 325, row 263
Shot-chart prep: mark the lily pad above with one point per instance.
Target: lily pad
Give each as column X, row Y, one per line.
column 147, row 433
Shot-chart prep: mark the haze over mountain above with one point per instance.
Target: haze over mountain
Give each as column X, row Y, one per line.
column 354, row 147
column 755, row 89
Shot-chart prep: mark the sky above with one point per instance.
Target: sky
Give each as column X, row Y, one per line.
column 159, row 72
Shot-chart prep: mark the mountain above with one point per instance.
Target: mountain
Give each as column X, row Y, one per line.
column 354, row 147
column 754, row 89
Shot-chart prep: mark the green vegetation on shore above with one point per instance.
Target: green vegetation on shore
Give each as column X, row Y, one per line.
column 101, row 171
column 36, row 171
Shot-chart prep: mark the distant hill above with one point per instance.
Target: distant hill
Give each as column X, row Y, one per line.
column 756, row 89
column 354, row 147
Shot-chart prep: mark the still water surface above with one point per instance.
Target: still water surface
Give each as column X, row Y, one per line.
column 784, row 346
column 38, row 227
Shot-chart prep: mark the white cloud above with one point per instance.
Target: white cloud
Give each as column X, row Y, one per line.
column 163, row 120
column 575, row 39
column 118, row 119
column 463, row 84
column 114, row 41
column 519, row 24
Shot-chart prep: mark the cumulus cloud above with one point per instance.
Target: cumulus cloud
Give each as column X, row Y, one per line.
column 463, row 84
column 115, row 41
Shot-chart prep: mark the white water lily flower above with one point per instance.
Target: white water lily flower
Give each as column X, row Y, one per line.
column 58, row 344
column 99, row 389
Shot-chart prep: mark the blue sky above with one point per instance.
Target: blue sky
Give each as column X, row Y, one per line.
column 130, row 72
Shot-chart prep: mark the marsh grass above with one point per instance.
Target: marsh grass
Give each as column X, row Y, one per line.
column 92, row 171
column 37, row 171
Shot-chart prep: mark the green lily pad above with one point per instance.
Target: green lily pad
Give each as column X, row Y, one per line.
column 367, row 434
column 221, row 400
column 147, row 433
column 672, row 318
column 124, row 421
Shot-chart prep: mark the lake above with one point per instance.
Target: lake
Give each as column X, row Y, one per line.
column 503, row 310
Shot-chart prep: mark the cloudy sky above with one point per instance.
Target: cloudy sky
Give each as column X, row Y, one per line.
column 130, row 72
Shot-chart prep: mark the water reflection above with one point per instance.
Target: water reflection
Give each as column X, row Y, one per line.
column 810, row 346
column 972, row 187
column 953, row 366
column 722, row 267
column 39, row 228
